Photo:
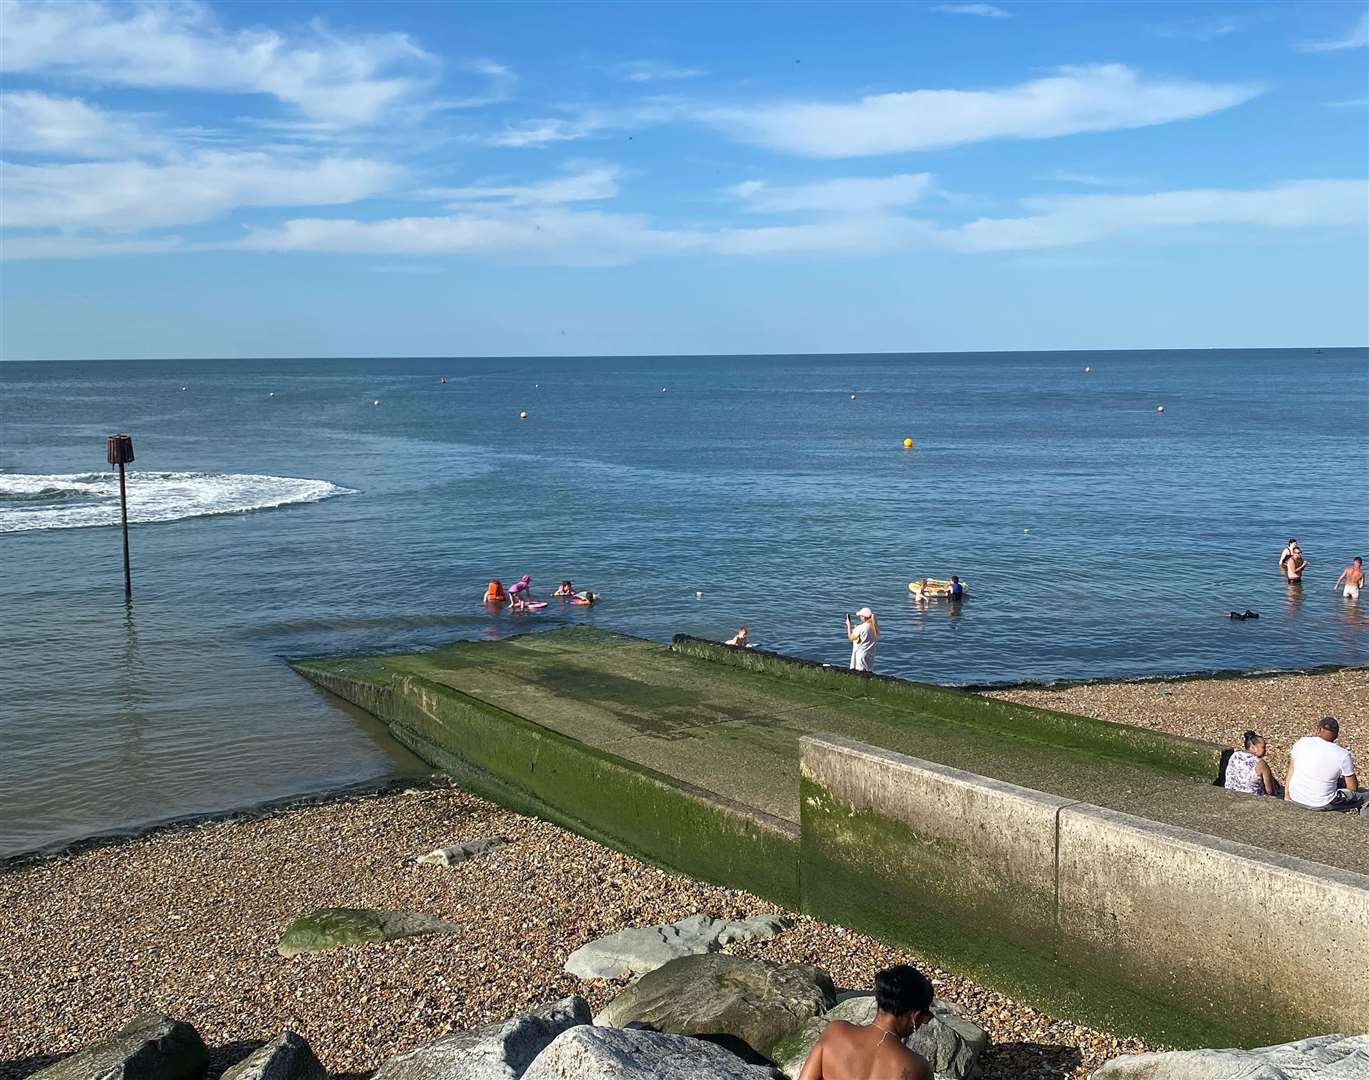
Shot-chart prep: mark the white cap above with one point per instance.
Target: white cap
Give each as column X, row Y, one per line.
column 864, row 613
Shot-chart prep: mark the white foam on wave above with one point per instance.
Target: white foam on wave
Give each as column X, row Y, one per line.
column 83, row 500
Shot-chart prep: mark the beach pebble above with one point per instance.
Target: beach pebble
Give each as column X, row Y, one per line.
column 450, row 856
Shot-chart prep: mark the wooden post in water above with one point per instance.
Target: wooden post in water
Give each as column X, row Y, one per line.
column 120, row 454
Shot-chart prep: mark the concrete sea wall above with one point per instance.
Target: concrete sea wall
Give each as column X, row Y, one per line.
column 1100, row 915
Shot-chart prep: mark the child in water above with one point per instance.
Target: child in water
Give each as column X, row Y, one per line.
column 520, row 592
column 564, row 589
column 742, row 638
column 494, row 592
column 587, row 598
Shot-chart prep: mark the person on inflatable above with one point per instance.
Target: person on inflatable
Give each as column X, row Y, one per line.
column 520, row 592
column 587, row 598
column 494, row 592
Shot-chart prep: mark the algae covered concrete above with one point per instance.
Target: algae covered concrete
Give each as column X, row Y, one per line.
column 1125, row 923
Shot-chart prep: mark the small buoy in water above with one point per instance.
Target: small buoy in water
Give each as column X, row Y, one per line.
column 537, row 386
column 185, row 388
column 853, row 397
column 664, row 390
column 1026, row 530
column 523, row 415
column 699, row 595
column 907, row 444
column 1159, row 408
column 375, row 403
column 1087, row 370
column 271, row 394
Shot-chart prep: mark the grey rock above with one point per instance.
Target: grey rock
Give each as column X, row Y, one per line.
column 286, row 1057
column 152, row 1047
column 645, row 948
column 746, row 1005
column 498, row 1051
column 1322, row 1057
column 330, row 928
column 450, row 856
column 598, row 1053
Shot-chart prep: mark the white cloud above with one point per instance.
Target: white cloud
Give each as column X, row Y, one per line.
column 1101, row 97
column 128, row 196
column 864, row 234
column 68, row 127
column 560, row 236
column 1066, row 176
column 850, row 195
column 1079, row 220
column 644, row 71
column 1353, row 103
column 538, row 133
column 586, row 185
column 986, row 11
column 328, row 76
column 1357, row 38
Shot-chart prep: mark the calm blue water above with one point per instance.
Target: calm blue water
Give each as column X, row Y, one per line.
column 1099, row 537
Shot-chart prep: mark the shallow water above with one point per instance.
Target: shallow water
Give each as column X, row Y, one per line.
column 1099, row 537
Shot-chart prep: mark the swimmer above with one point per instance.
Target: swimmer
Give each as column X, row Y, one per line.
column 494, row 592
column 564, row 589
column 742, row 638
column 1287, row 552
column 520, row 592
column 1295, row 565
column 587, row 598
column 1352, row 577
column 955, row 590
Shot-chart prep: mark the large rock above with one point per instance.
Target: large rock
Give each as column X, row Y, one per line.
column 152, row 1047
column 951, row 1042
column 746, row 1005
column 450, row 856
column 329, row 928
column 614, row 1054
column 645, row 948
column 286, row 1057
column 498, row 1051
column 1323, row 1057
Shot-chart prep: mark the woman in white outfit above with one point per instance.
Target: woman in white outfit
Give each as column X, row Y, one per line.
column 863, row 636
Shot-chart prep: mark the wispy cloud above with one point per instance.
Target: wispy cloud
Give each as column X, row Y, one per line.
column 1353, row 103
column 544, row 132
column 646, row 71
column 327, row 75
column 1203, row 28
column 130, row 196
column 1103, row 97
column 32, row 122
column 985, row 11
column 1356, row 38
column 585, row 185
column 1066, row 176
column 853, row 195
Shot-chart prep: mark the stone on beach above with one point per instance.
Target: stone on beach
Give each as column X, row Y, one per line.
column 498, row 1051
column 152, row 1047
column 330, row 928
column 637, row 950
column 1323, row 1057
column 951, row 1043
column 450, row 856
column 747, row 1005
column 286, row 1057
column 598, row 1053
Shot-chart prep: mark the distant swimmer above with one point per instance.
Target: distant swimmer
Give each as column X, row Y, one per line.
column 863, row 637
column 1294, row 565
column 520, row 592
column 1352, row 577
column 741, row 638
column 589, row 599
column 564, row 589
column 495, row 594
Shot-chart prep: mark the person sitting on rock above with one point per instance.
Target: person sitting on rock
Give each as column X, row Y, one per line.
column 875, row 1051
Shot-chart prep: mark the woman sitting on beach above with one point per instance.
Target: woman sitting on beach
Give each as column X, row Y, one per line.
column 564, row 589
column 494, row 592
column 1248, row 772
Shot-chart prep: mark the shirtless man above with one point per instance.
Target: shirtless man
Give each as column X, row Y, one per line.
column 1287, row 553
column 875, row 1051
column 1352, row 577
column 1295, row 564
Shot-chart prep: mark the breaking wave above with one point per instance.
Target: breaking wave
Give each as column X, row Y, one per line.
column 83, row 500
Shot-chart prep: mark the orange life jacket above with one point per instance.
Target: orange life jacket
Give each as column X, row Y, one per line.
column 494, row 593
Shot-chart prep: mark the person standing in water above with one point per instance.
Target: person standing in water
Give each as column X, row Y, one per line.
column 1287, row 553
column 1295, row 565
column 863, row 636
column 1352, row 577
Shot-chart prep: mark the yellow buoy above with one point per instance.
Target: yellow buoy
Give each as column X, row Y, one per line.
column 907, row 444
column 523, row 415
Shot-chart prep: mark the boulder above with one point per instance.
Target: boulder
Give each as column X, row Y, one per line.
column 329, row 928
column 450, row 856
column 1323, row 1057
column 498, row 1051
column 746, row 1005
column 597, row 1053
column 286, row 1057
column 152, row 1047
column 951, row 1043
column 645, row 948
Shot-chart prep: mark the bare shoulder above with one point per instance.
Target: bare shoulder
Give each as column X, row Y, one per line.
column 912, row 1066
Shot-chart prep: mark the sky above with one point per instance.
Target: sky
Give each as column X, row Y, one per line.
column 192, row 179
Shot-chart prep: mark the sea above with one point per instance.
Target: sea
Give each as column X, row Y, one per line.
column 1106, row 509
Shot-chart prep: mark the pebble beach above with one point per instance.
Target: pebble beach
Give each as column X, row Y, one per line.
column 185, row 920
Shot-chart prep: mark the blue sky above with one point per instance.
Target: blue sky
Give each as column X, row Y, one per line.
column 257, row 179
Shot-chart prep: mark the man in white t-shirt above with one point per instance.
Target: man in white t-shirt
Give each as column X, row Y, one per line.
column 1316, row 767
